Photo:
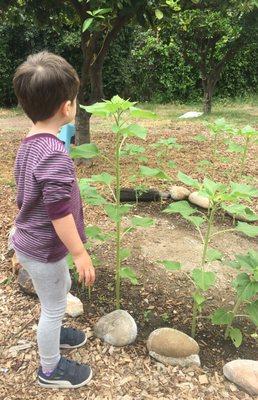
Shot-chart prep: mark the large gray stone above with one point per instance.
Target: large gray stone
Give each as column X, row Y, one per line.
column 170, row 342
column 117, row 328
column 243, row 373
column 25, row 282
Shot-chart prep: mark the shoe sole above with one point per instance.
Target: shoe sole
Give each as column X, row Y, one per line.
column 67, row 346
column 63, row 384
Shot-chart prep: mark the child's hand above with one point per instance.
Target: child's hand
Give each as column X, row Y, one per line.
column 85, row 268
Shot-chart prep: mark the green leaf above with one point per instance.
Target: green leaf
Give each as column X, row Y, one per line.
column 187, row 180
column 222, row 317
column 94, row 232
column 115, row 213
column 195, row 220
column 248, row 131
column 119, row 104
column 172, row 164
column 236, row 336
column 145, row 114
column 212, row 187
column 241, row 190
column 200, row 138
column 235, row 148
column 213, row 255
column 249, row 230
column 170, row 265
column 105, row 178
column 88, row 150
column 98, row 109
column 181, row 207
column 252, row 310
column 245, row 287
column 158, row 13
column 144, row 222
column 198, row 298
column 128, row 273
column 90, row 194
column 132, row 150
column 87, row 23
column 69, row 260
column 153, row 172
column 102, row 11
column 134, row 130
column 203, row 279
column 241, row 210
column 124, row 253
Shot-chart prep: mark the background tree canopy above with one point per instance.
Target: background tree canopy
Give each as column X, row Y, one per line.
column 145, row 65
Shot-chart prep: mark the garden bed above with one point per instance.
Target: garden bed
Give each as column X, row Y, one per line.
column 162, row 298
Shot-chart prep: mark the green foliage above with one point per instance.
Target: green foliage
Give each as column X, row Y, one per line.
column 170, row 265
column 246, row 288
column 118, row 109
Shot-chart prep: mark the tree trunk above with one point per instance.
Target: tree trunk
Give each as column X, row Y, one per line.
column 207, row 101
column 208, row 90
column 82, row 126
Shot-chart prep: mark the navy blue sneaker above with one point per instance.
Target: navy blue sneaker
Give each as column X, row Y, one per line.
column 67, row 375
column 71, row 338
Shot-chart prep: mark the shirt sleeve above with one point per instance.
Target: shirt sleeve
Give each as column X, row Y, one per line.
column 55, row 174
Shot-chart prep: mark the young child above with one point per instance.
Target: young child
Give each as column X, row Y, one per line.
column 50, row 219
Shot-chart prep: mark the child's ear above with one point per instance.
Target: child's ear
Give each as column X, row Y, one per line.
column 65, row 108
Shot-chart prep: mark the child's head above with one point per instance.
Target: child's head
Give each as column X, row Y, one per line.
column 46, row 84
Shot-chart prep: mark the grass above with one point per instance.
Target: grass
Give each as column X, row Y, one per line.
column 239, row 112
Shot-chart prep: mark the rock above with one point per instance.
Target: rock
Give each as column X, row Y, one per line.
column 193, row 359
column 117, row 328
column 25, row 282
column 243, row 373
column 170, row 342
column 15, row 263
column 199, row 200
column 191, row 114
column 179, row 193
column 74, row 306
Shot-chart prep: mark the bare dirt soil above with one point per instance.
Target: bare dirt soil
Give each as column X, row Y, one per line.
column 160, row 299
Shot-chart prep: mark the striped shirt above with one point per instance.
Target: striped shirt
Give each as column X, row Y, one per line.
column 46, row 190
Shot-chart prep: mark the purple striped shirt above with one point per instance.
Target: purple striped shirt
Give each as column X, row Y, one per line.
column 46, row 190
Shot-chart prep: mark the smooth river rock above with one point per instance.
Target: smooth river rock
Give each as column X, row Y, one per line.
column 25, row 282
column 179, row 193
column 170, row 342
column 117, row 328
column 74, row 306
column 194, row 359
column 244, row 373
column 199, row 200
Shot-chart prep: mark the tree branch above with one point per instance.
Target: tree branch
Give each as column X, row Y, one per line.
column 119, row 23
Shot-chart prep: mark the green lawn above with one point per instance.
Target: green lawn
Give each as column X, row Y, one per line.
column 239, row 112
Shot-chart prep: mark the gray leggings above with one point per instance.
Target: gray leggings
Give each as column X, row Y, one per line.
column 52, row 282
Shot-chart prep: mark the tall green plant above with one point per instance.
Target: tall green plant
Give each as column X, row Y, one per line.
column 119, row 110
column 246, row 288
column 219, row 196
column 249, row 136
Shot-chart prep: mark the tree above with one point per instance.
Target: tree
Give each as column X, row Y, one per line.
column 102, row 21
column 210, row 33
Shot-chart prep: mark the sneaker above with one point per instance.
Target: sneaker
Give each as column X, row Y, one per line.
column 71, row 338
column 67, row 374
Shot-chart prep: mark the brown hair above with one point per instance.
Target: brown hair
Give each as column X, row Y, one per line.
column 42, row 83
